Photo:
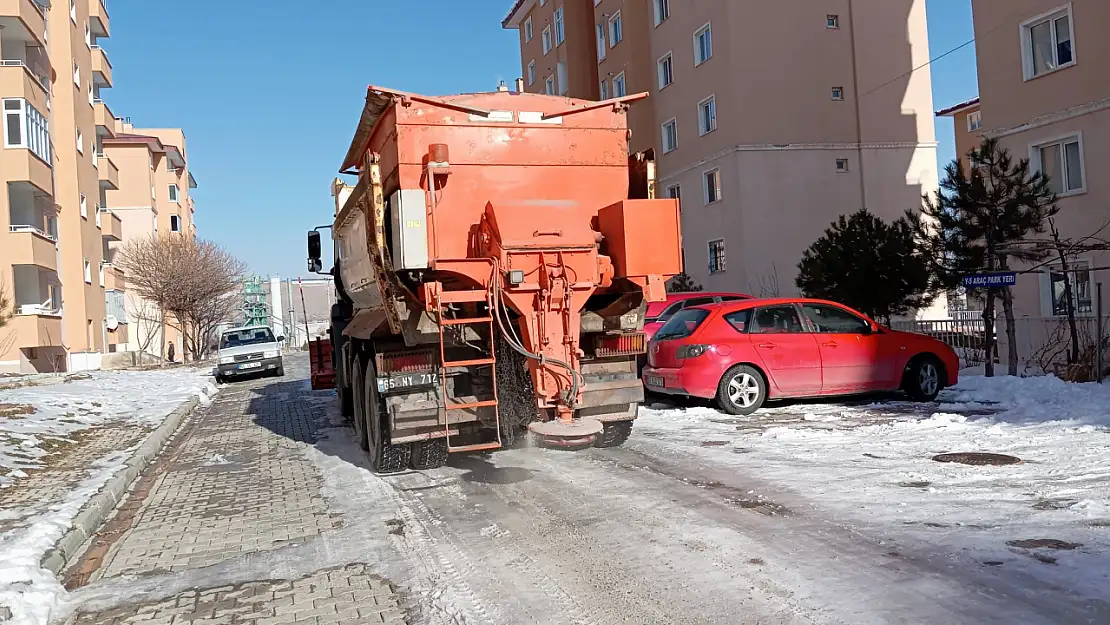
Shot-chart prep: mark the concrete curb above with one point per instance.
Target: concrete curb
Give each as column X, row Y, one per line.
column 100, row 507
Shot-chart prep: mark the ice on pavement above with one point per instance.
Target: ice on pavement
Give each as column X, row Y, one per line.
column 869, row 463
column 143, row 398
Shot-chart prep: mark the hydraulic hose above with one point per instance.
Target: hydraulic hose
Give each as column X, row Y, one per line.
column 518, row 347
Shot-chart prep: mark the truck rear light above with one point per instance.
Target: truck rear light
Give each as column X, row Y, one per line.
column 608, row 345
column 412, row 361
column 686, row 352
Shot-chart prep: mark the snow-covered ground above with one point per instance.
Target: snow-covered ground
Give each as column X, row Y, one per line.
column 42, row 422
column 871, row 463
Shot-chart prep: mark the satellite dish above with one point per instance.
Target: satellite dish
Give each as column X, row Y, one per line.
column 111, row 322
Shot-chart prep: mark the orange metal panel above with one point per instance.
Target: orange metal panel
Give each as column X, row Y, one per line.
column 642, row 237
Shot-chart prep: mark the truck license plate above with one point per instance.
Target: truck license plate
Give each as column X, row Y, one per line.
column 654, row 380
column 251, row 365
column 402, row 381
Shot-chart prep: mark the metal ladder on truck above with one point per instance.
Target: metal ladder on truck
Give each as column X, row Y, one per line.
column 475, row 296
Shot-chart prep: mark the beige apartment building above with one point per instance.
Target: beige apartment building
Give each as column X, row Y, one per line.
column 1043, row 93
column 154, row 198
column 59, row 183
column 768, row 120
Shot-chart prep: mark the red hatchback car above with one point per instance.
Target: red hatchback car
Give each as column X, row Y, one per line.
column 743, row 353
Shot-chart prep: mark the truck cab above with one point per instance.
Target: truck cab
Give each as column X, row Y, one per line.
column 249, row 350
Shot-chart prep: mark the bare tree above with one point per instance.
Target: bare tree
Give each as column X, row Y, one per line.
column 7, row 310
column 768, row 283
column 186, row 279
column 144, row 315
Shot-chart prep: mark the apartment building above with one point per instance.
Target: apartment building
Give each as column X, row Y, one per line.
column 1043, row 94
column 967, row 122
column 768, row 120
column 54, row 178
column 154, row 197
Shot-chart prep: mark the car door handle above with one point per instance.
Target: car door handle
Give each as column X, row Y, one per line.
column 767, row 345
column 829, row 344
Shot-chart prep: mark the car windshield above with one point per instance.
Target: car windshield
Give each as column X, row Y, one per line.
column 682, row 324
column 249, row 336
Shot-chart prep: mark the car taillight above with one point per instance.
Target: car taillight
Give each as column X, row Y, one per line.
column 690, row 351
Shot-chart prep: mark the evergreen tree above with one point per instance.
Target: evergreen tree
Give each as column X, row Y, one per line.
column 868, row 264
column 683, row 283
column 977, row 222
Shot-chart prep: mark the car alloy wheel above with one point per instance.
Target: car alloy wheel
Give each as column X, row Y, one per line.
column 743, row 390
column 928, row 379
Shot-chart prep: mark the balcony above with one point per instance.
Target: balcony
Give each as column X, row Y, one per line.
column 101, row 67
column 23, row 19
column 98, row 19
column 27, row 245
column 113, row 278
column 18, row 80
column 23, row 165
column 108, row 172
column 37, row 327
column 104, row 118
column 112, row 225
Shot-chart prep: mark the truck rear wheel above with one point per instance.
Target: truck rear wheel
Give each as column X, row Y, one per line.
column 384, row 458
column 359, row 404
column 430, row 454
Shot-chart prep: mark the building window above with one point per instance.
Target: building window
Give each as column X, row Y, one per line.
column 545, row 38
column 80, row 141
column 1080, row 278
column 561, row 75
column 838, row 93
column 832, row 21
column 531, row 73
column 1047, row 43
column 543, row 2
column 96, row 215
column 73, row 10
column 604, row 89
column 26, row 127
column 76, row 74
column 101, row 274
column 703, row 44
column 560, row 31
column 974, row 121
column 1062, row 162
column 717, row 256
column 711, row 186
column 662, row 11
column 666, row 71
column 175, row 223
column 707, row 115
column 549, row 85
column 173, row 193
column 841, row 165
column 84, row 207
column 619, row 88
column 601, row 49
column 670, row 136
column 674, row 192
column 88, row 272
column 92, row 99
column 528, row 29
column 616, row 29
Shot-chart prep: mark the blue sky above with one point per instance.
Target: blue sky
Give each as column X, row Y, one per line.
column 269, row 93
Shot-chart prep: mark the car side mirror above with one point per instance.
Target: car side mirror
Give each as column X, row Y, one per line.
column 281, row 339
column 867, row 330
column 314, row 264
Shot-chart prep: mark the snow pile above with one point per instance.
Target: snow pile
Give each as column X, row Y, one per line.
column 28, row 592
column 870, row 464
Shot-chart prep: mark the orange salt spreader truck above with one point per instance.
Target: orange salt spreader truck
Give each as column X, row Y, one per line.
column 493, row 264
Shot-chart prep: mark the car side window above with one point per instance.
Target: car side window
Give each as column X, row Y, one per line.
column 834, row 320
column 777, row 320
column 699, row 301
column 671, row 310
column 731, row 298
column 740, row 320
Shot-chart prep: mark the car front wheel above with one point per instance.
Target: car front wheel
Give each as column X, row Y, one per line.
column 742, row 390
column 923, row 379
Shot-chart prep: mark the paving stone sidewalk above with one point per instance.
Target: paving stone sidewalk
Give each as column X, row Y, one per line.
column 236, row 483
